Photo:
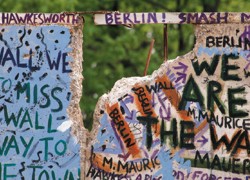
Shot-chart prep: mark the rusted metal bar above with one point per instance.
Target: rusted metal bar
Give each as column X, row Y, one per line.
column 90, row 12
column 165, row 41
column 149, row 57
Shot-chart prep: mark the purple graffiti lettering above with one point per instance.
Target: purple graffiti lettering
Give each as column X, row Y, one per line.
column 153, row 102
column 243, row 36
column 181, row 66
column 196, row 174
column 181, row 77
column 126, row 18
column 152, row 17
column 248, row 60
column 244, row 17
column 135, row 19
column 203, row 141
column 108, row 18
column 163, row 110
column 117, row 18
column 124, row 156
column 246, row 33
column 130, row 115
column 129, row 99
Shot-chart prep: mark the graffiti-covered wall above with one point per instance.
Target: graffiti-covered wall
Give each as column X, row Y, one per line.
column 40, row 88
column 188, row 120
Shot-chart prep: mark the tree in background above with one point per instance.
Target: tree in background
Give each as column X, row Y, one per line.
column 113, row 52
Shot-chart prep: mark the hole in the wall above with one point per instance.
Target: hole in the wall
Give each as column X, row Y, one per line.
column 118, row 52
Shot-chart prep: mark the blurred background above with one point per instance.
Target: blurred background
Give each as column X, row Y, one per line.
column 113, row 52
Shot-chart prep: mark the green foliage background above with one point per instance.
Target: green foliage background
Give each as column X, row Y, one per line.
column 113, row 52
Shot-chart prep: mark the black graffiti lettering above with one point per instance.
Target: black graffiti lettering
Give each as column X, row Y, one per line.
column 225, row 67
column 202, row 160
column 192, row 93
column 136, row 166
column 204, row 66
column 122, row 129
column 233, row 102
column 239, row 144
column 172, row 133
column 158, row 86
column 191, row 112
column 187, row 135
column 129, row 142
column 108, row 162
column 220, row 121
column 233, row 164
column 235, row 167
column 227, row 163
column 214, row 88
column 210, row 41
column 223, row 140
column 96, row 173
column 226, row 41
column 216, row 163
column 145, row 103
column 91, row 171
column 148, row 121
column 122, row 166
column 119, row 125
column 246, row 73
column 146, row 164
column 246, row 166
column 246, row 124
